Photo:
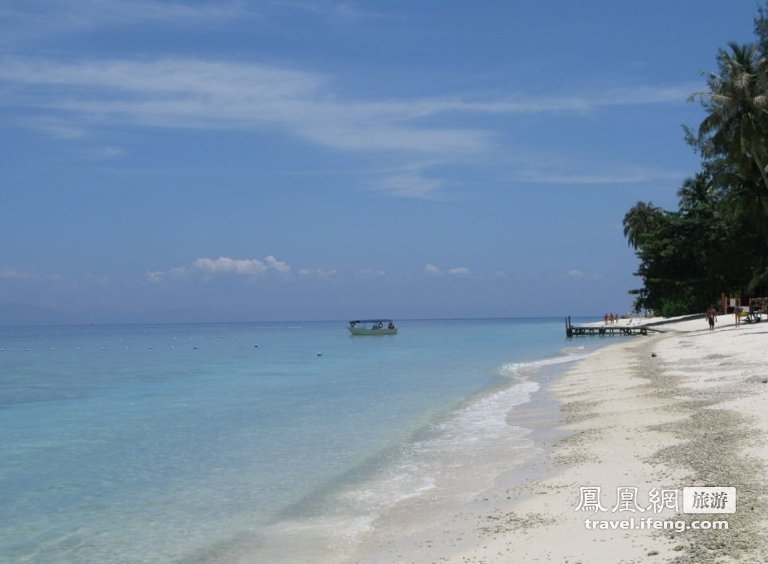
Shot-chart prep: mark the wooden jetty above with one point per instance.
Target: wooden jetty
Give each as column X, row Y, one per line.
column 572, row 330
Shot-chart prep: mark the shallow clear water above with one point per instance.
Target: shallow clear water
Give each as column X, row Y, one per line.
column 177, row 442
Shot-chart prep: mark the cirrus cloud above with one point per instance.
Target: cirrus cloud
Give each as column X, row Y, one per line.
column 69, row 97
column 210, row 94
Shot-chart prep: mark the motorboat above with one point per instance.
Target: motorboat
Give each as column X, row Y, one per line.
column 372, row 327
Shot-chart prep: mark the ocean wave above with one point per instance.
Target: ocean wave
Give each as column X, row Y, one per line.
column 513, row 369
column 420, row 468
column 483, row 419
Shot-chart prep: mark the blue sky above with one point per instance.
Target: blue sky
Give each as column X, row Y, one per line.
column 238, row 160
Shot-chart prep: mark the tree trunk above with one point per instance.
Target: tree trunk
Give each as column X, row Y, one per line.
column 763, row 175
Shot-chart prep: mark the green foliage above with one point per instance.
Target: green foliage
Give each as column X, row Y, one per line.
column 674, row 308
column 717, row 240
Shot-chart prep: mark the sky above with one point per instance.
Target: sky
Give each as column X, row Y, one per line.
column 237, row 160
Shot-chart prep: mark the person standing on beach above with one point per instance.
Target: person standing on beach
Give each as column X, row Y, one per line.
column 737, row 313
column 711, row 318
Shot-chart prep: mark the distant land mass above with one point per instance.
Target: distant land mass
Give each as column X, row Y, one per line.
column 26, row 314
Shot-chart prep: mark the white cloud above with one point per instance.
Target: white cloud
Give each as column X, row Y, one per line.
column 576, row 274
column 40, row 284
column 155, row 276
column 432, row 270
column 18, row 275
column 119, row 11
column 97, row 279
column 33, row 18
column 317, row 273
column 56, row 128
column 371, row 273
column 459, row 271
column 619, row 177
column 106, row 153
column 277, row 265
column 410, row 185
column 200, row 93
column 70, row 97
column 61, row 16
column 194, row 93
column 226, row 265
column 338, row 12
column 222, row 266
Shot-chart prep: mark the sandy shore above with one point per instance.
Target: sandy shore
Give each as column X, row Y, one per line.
column 686, row 407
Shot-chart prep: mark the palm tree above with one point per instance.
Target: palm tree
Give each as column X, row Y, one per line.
column 640, row 220
column 737, row 104
column 696, row 193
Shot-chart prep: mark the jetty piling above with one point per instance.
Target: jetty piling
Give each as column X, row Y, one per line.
column 572, row 330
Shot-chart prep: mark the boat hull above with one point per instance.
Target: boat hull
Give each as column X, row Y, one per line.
column 369, row 331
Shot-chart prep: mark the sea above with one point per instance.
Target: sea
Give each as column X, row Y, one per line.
column 248, row 442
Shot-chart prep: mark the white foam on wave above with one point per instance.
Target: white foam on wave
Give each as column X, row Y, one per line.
column 479, row 426
column 466, row 440
column 326, row 538
column 484, row 419
column 401, row 483
column 514, row 369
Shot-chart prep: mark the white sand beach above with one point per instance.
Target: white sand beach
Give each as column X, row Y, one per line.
column 686, row 407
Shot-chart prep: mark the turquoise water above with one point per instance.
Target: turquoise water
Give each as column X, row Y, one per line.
column 191, row 442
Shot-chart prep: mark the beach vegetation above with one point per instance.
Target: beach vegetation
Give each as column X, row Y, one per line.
column 735, row 127
column 717, row 240
column 641, row 221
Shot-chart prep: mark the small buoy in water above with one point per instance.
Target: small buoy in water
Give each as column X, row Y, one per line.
column 765, row 380
column 255, row 346
column 194, row 348
column 319, row 354
column 653, row 355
